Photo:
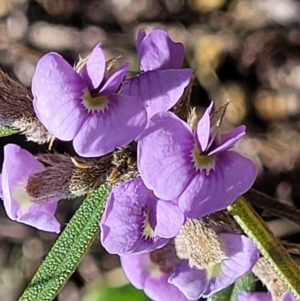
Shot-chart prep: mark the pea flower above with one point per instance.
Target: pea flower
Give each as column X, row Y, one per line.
column 163, row 276
column 162, row 81
column 136, row 221
column 262, row 296
column 150, row 272
column 195, row 166
column 242, row 255
column 18, row 165
column 86, row 107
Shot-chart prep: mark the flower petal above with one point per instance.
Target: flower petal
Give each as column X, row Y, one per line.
column 288, row 296
column 144, row 274
column 93, row 72
column 136, row 268
column 121, row 122
column 228, row 140
column 140, row 37
column 58, row 91
column 158, row 289
column 164, row 156
column 18, row 165
column 159, row 90
column 169, row 219
column 242, row 256
column 190, row 281
column 158, row 51
column 123, row 220
column 202, row 130
column 42, row 220
column 233, row 176
column 114, row 81
column 259, row 296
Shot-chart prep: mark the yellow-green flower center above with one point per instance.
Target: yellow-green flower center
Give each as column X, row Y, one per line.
column 202, row 161
column 214, row 271
column 148, row 232
column 20, row 195
column 97, row 103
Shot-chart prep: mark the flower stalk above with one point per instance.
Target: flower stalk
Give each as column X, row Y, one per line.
column 267, row 244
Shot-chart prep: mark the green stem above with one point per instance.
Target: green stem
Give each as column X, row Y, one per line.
column 267, row 244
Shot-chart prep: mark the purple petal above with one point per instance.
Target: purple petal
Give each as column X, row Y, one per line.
column 93, row 71
column 288, row 296
column 140, row 37
column 169, row 219
column 202, row 130
column 157, row 51
column 18, row 165
column 205, row 194
column 1, row 191
column 144, row 274
column 190, row 281
column 114, row 81
column 164, row 156
column 42, row 219
column 228, row 140
column 159, row 90
column 242, row 256
column 260, row 296
column 123, row 220
column 161, row 290
column 137, row 268
column 121, row 122
column 58, row 91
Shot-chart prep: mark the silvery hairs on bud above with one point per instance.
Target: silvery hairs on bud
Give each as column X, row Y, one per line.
column 66, row 178
column 266, row 274
column 198, row 242
column 16, row 110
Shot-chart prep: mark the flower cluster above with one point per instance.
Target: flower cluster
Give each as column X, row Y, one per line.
column 185, row 171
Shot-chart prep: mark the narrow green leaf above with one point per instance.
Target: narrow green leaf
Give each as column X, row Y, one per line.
column 68, row 250
column 270, row 248
column 7, row 131
column 244, row 284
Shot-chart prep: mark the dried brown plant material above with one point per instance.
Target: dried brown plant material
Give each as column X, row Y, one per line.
column 16, row 110
column 182, row 107
column 63, row 179
column 198, row 242
column 264, row 271
column 67, row 178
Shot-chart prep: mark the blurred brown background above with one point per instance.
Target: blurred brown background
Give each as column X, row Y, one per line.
column 245, row 51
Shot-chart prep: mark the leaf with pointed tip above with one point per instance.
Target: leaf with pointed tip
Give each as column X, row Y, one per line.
column 7, row 131
column 68, row 250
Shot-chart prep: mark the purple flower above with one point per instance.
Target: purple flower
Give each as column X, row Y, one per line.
column 145, row 272
column 194, row 283
column 162, row 81
column 195, row 166
column 18, row 165
column 262, row 296
column 136, row 221
column 85, row 107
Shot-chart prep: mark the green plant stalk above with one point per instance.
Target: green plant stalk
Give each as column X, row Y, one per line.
column 68, row 250
column 267, row 244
